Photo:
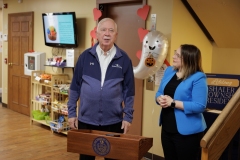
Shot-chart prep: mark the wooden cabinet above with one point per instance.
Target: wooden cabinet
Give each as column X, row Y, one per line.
column 49, row 96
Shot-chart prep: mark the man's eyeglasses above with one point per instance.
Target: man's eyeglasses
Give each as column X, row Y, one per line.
column 177, row 55
column 104, row 30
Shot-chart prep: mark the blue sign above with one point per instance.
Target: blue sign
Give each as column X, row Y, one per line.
column 221, row 88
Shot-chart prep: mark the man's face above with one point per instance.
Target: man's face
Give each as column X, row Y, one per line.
column 106, row 34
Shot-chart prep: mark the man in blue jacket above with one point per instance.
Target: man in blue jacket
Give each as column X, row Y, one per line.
column 103, row 80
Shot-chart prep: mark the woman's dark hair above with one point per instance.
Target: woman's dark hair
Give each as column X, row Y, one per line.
column 191, row 59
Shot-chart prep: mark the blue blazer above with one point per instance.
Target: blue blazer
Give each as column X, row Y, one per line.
column 193, row 93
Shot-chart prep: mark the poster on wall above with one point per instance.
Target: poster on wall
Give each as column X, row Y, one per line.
column 160, row 72
column 221, row 88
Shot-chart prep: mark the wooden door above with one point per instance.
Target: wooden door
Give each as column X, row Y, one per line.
column 124, row 12
column 20, row 41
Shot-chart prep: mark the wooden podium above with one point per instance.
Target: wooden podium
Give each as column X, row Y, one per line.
column 108, row 144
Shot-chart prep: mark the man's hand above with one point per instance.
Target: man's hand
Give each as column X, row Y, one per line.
column 73, row 122
column 125, row 125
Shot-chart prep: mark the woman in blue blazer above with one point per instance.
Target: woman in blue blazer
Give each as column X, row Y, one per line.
column 182, row 95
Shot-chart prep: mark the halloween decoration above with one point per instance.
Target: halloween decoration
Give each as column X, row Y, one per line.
column 154, row 52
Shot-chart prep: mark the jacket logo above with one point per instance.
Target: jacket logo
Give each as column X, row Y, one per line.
column 117, row 66
column 91, row 63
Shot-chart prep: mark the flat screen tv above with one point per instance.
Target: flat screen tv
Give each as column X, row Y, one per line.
column 60, row 29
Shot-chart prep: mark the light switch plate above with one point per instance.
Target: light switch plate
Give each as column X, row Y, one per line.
column 5, row 37
column 150, row 83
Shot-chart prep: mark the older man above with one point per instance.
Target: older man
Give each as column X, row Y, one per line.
column 103, row 80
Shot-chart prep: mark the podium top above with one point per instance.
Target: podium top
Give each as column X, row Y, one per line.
column 107, row 134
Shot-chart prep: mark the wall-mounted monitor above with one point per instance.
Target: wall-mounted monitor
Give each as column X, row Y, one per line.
column 60, row 29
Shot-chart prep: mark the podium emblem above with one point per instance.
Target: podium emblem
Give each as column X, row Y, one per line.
column 101, row 146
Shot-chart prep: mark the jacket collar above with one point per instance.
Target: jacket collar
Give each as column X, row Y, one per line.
column 93, row 50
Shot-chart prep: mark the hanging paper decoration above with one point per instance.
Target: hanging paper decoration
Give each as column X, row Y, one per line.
column 93, row 33
column 96, row 13
column 166, row 62
column 143, row 12
column 139, row 53
column 142, row 33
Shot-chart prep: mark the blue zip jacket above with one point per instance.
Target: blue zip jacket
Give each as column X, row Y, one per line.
column 102, row 105
column 193, row 93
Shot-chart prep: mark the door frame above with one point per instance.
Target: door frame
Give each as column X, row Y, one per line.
column 138, row 118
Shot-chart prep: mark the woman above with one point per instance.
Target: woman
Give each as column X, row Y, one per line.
column 182, row 95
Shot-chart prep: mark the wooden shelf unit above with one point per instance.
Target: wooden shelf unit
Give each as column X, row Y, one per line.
column 49, row 87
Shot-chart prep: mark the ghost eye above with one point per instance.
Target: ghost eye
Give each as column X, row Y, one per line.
column 146, row 41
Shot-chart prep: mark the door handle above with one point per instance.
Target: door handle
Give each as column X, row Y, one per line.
column 10, row 64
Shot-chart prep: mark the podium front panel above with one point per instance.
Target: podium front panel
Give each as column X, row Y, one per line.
column 108, row 144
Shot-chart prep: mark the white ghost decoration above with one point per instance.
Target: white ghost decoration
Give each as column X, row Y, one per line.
column 154, row 52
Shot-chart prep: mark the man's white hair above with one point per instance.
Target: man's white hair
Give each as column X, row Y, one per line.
column 104, row 20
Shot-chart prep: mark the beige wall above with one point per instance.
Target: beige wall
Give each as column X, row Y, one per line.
column 186, row 30
column 1, row 59
column 173, row 20
column 226, row 60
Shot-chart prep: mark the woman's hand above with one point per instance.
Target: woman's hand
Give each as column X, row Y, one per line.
column 164, row 101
